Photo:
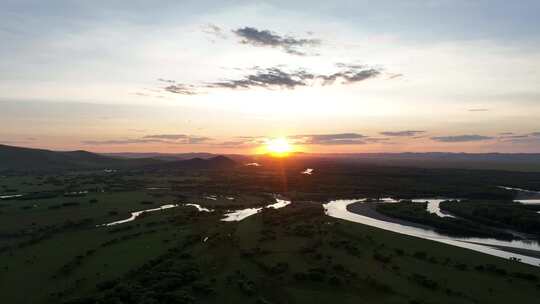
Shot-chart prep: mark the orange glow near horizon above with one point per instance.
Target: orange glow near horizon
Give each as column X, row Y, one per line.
column 278, row 147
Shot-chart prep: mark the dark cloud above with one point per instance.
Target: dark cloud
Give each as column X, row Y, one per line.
column 478, row 110
column 265, row 38
column 506, row 133
column 461, row 138
column 331, row 139
column 535, row 134
column 406, row 133
column 276, row 77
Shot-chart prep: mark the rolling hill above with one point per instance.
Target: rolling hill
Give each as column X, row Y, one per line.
column 27, row 159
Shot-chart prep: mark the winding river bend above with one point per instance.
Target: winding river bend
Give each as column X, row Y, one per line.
column 526, row 251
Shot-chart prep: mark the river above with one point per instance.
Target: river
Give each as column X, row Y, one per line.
column 529, row 251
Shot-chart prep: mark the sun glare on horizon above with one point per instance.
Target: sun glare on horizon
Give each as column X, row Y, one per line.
column 278, row 147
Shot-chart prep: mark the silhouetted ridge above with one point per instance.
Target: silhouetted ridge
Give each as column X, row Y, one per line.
column 27, row 159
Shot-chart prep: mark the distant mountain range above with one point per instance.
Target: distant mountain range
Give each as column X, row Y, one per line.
column 529, row 162
column 161, row 156
column 27, row 159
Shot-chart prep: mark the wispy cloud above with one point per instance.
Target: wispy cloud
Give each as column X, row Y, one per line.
column 478, row 110
column 395, row 76
column 180, row 139
column 405, row 133
column 214, row 30
column 167, row 136
column 521, row 139
column 377, row 140
column 510, row 137
column 177, row 88
column 515, row 136
column 231, row 144
column 182, row 89
column 266, row 38
column 120, row 141
column 331, row 139
column 461, row 138
column 238, row 144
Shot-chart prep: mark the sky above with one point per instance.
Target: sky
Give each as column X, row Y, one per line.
column 226, row 76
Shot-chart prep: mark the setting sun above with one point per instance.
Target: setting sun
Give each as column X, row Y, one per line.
column 278, row 147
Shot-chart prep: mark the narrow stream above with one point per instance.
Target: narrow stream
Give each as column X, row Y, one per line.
column 135, row 214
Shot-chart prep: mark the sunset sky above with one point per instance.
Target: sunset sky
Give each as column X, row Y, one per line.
column 224, row 76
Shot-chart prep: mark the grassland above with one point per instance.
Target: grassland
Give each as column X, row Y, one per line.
column 298, row 255
column 52, row 252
